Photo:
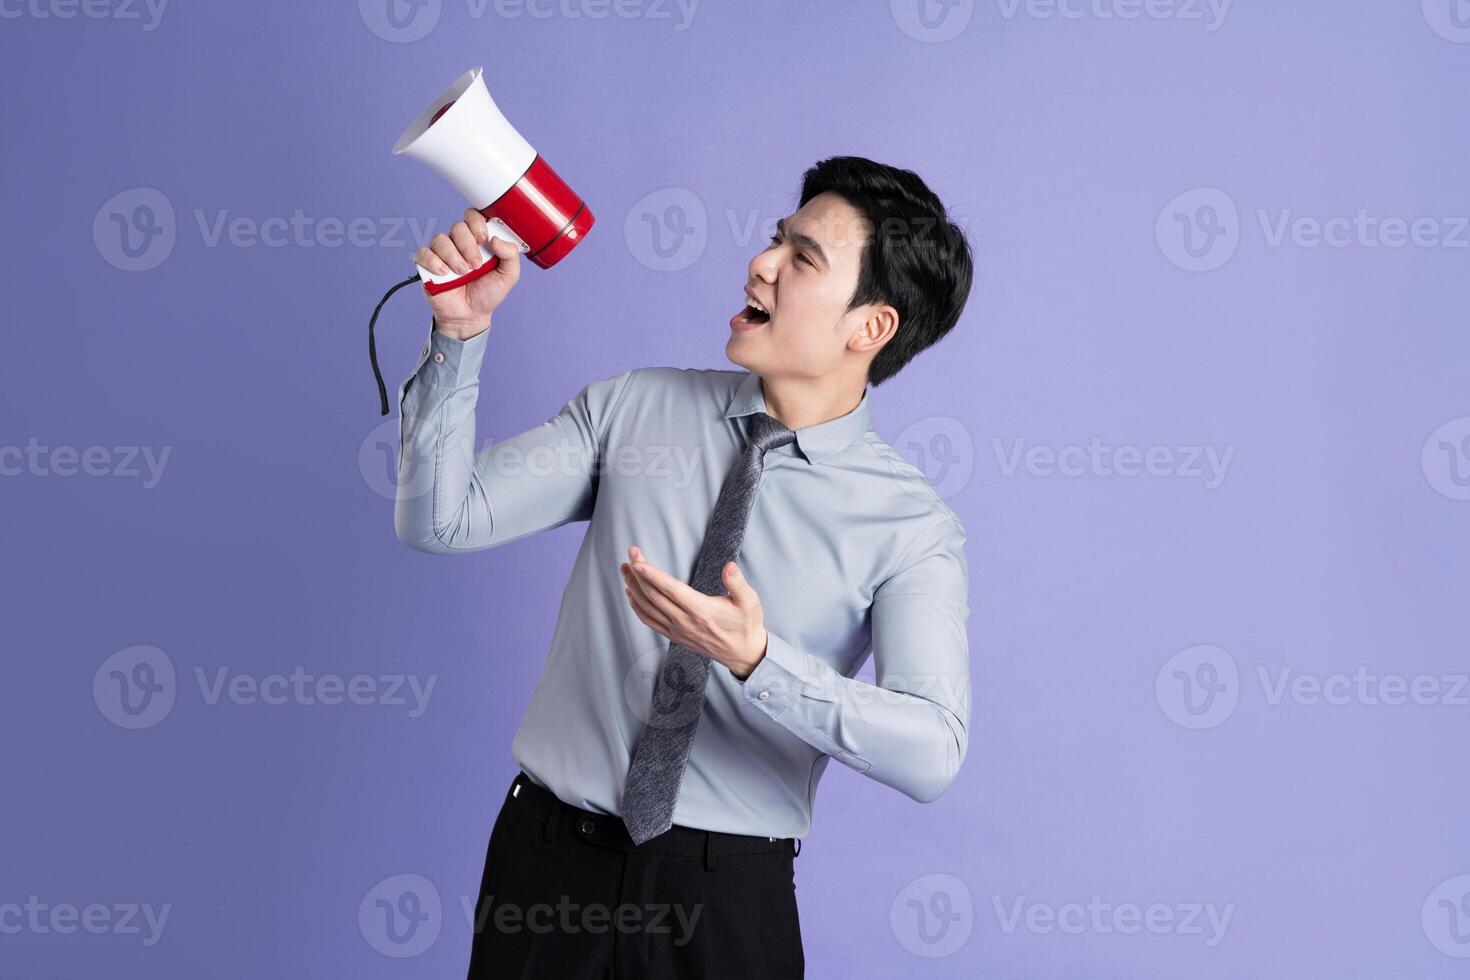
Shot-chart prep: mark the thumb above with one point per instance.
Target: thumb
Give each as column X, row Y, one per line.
column 738, row 587
column 508, row 254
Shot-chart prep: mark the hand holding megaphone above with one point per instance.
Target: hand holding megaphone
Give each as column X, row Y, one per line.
column 464, row 312
column 463, row 135
column 512, row 191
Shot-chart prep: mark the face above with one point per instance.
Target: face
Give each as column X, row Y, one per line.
column 804, row 279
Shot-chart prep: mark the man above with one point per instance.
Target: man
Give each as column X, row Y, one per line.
column 690, row 702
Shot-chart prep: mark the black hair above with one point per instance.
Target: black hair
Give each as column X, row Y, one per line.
column 916, row 260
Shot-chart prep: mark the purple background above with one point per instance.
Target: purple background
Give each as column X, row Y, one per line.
column 1335, row 376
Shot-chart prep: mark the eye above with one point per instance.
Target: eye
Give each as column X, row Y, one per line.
column 800, row 256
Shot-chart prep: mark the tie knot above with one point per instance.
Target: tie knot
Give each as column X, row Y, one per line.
column 767, row 433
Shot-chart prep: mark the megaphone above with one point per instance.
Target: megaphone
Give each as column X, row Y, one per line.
column 465, row 138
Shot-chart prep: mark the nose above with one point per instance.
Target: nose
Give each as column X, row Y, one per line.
column 763, row 265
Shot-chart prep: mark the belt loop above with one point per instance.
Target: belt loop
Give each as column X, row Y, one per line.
column 709, row 850
column 551, row 817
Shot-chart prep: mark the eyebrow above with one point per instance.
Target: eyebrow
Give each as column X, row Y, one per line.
column 805, row 241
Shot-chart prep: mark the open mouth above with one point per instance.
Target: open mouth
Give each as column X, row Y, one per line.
column 754, row 313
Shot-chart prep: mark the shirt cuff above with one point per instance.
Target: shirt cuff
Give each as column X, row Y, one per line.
column 450, row 363
column 776, row 681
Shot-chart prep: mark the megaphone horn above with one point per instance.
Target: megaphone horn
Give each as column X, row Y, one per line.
column 464, row 136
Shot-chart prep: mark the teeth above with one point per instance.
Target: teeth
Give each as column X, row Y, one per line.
column 756, row 306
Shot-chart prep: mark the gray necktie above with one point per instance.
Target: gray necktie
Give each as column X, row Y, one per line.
column 662, row 752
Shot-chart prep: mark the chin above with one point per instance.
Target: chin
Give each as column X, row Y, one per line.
column 735, row 355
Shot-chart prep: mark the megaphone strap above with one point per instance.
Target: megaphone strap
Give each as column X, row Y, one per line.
column 373, row 344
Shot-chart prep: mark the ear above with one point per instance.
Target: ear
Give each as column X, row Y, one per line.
column 879, row 324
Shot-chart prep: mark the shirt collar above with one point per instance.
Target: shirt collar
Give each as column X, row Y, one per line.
column 816, row 442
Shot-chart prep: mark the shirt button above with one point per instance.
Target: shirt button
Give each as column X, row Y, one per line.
column 588, row 826
column 438, row 357
column 764, row 695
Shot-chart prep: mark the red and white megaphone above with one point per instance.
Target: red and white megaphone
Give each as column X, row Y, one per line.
column 464, row 137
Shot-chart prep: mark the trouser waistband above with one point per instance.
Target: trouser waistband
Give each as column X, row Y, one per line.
column 608, row 830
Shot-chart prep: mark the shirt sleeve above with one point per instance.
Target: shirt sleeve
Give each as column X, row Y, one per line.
column 450, row 498
column 909, row 730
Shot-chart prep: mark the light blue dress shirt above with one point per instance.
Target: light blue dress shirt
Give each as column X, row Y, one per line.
column 848, row 546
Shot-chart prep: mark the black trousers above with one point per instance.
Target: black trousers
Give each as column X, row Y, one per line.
column 567, row 895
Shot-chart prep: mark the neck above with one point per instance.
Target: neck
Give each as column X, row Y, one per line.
column 798, row 403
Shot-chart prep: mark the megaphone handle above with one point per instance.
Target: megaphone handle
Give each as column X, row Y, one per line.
column 434, row 284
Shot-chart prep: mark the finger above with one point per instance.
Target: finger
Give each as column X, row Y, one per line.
column 426, row 258
column 479, row 227
column 651, row 597
column 469, row 249
column 680, row 593
column 739, row 589
column 679, row 610
column 448, row 252
column 632, row 581
column 647, row 616
column 509, row 255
